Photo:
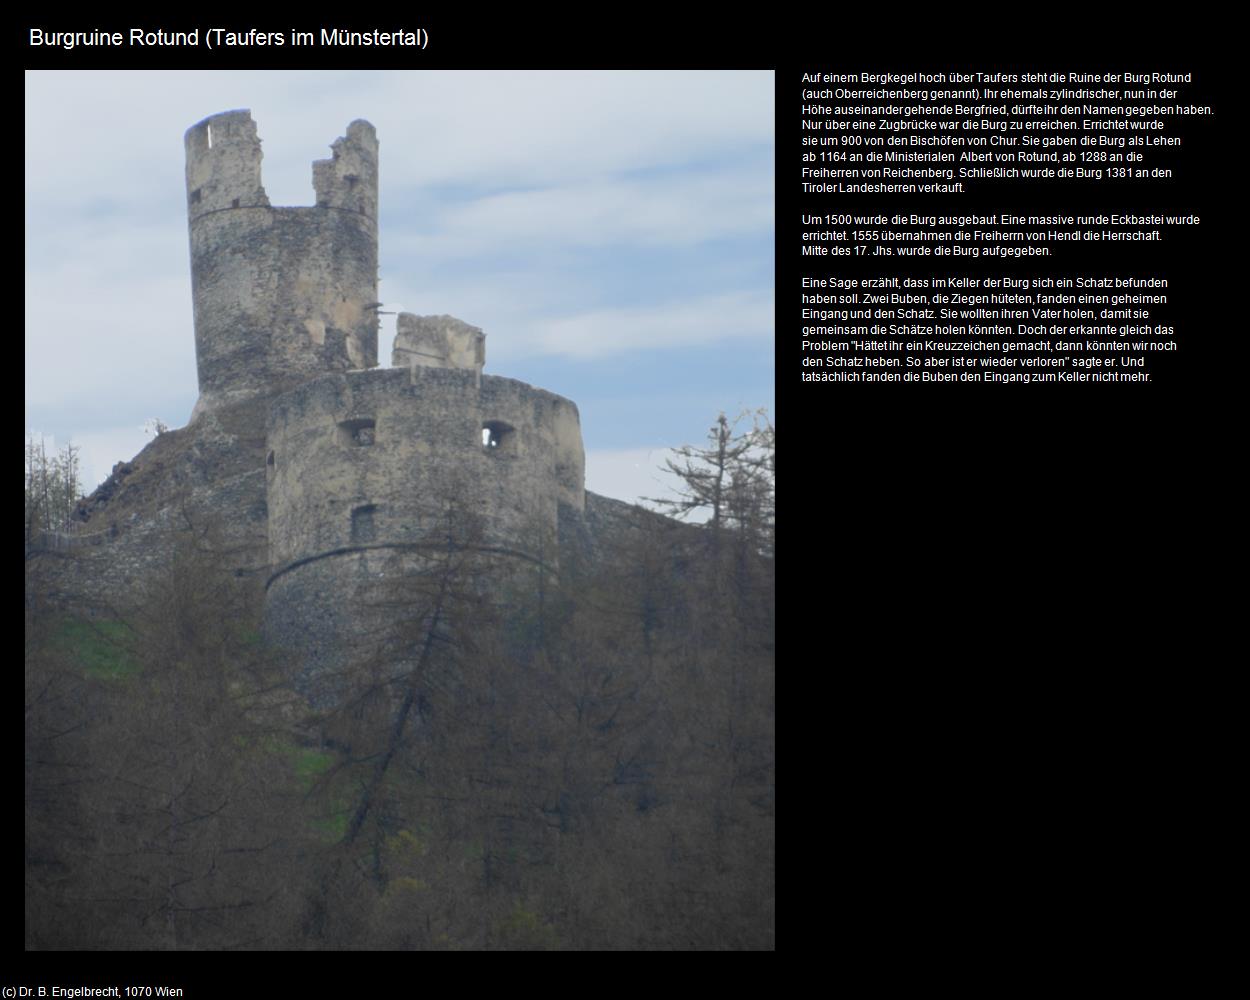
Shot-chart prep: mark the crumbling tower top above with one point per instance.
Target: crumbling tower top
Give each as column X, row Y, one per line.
column 281, row 295
column 223, row 164
column 349, row 179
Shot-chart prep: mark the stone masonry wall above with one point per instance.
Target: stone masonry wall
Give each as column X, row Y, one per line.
column 104, row 571
column 437, row 342
column 361, row 472
column 280, row 295
column 398, row 445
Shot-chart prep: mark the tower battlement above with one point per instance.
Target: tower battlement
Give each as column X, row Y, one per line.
column 281, row 294
column 349, row 179
column 223, row 164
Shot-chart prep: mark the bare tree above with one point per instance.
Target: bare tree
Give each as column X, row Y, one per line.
column 183, row 794
column 730, row 479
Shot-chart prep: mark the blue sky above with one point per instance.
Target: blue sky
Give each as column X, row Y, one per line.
column 612, row 232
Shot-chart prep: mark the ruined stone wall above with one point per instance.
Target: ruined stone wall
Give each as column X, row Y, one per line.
column 363, row 469
column 437, row 342
column 102, row 571
column 323, row 478
column 280, row 295
column 400, row 444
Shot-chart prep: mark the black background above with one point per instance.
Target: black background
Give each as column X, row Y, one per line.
column 983, row 591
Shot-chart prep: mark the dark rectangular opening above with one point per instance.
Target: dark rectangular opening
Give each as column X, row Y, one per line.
column 357, row 432
column 363, row 527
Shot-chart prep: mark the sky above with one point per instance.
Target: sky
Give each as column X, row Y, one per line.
column 611, row 232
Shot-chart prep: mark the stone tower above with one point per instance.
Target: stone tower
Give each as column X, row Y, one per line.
column 281, row 295
column 360, row 468
column 323, row 475
column 363, row 470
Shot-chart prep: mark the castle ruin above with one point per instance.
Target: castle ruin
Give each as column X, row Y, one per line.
column 327, row 471
column 434, row 749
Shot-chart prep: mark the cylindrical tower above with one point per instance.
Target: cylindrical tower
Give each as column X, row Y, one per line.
column 281, row 295
column 366, row 471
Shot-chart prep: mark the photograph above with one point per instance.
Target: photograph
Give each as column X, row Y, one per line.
column 399, row 463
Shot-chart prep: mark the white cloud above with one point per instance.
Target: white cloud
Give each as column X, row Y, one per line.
column 535, row 128
column 708, row 320
column 685, row 209
column 96, row 320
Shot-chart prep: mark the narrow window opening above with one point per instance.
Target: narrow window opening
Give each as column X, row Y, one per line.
column 499, row 438
column 351, row 181
column 234, row 203
column 363, row 527
column 269, row 460
column 195, row 196
column 360, row 432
